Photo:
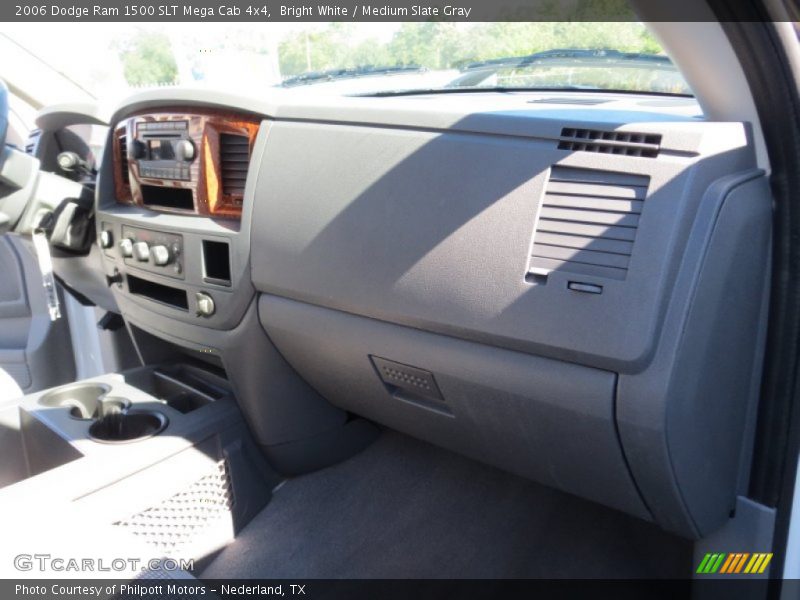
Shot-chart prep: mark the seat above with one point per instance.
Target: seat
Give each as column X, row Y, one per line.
column 9, row 388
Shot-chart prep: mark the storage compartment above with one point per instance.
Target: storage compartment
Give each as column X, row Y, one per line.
column 216, row 262
column 548, row 420
column 158, row 292
column 184, row 388
column 167, row 197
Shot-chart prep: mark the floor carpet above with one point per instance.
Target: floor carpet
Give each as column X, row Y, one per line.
column 407, row 509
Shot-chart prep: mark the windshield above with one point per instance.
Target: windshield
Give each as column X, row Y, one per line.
column 108, row 61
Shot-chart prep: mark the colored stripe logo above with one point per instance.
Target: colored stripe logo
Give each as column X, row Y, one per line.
column 734, row 563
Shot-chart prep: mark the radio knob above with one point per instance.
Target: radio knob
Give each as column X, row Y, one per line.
column 184, row 151
column 160, row 255
column 126, row 247
column 137, row 150
column 142, row 251
column 106, row 239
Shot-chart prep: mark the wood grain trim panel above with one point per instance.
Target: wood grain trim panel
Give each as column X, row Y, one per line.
column 122, row 186
column 205, row 126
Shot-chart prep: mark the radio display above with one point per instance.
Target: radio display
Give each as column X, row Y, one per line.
column 160, row 150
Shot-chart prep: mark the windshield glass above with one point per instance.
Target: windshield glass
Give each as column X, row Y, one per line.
column 109, row 61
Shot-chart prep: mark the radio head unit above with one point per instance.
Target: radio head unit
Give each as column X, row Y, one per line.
column 163, row 149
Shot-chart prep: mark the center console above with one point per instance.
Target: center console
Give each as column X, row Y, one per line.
column 171, row 220
column 176, row 194
column 122, row 454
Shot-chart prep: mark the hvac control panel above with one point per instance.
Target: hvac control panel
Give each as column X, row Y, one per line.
column 153, row 251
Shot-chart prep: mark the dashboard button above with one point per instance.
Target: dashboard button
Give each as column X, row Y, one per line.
column 160, row 255
column 205, row 304
column 106, row 239
column 142, row 251
column 126, row 247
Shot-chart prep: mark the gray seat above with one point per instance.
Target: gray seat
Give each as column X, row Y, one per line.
column 9, row 388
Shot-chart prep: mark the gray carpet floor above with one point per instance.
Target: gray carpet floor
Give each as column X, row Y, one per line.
column 407, row 509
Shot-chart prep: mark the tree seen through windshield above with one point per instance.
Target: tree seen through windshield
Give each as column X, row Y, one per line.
column 382, row 56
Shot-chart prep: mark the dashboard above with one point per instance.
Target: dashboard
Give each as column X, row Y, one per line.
column 535, row 280
column 185, row 168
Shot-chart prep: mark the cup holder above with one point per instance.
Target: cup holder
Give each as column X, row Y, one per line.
column 83, row 399
column 101, row 406
column 118, row 426
column 112, row 419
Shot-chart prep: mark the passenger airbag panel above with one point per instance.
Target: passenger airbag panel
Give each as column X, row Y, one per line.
column 435, row 230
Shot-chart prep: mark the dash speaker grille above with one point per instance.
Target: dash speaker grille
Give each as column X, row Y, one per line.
column 413, row 380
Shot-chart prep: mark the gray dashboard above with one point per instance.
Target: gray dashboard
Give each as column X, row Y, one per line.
column 434, row 230
column 574, row 294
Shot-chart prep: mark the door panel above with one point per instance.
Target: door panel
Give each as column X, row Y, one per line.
column 35, row 351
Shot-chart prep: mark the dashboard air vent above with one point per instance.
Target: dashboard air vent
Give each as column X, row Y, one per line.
column 565, row 100
column 122, row 141
column 234, row 161
column 626, row 143
column 587, row 222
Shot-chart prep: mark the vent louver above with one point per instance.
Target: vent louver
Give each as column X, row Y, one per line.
column 122, row 140
column 625, row 143
column 587, row 222
column 564, row 100
column 234, row 162
column 32, row 141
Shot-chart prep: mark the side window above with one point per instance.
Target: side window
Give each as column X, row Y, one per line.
column 21, row 116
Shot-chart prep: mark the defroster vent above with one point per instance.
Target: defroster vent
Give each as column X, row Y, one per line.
column 234, row 160
column 627, row 143
column 587, row 222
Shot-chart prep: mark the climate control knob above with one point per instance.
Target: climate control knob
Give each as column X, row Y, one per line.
column 160, row 255
column 141, row 251
column 106, row 239
column 126, row 247
column 205, row 304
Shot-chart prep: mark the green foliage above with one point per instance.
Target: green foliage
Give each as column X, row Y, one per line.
column 434, row 45
column 443, row 45
column 330, row 48
column 147, row 59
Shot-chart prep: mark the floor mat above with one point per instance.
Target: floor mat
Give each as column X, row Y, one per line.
column 404, row 508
